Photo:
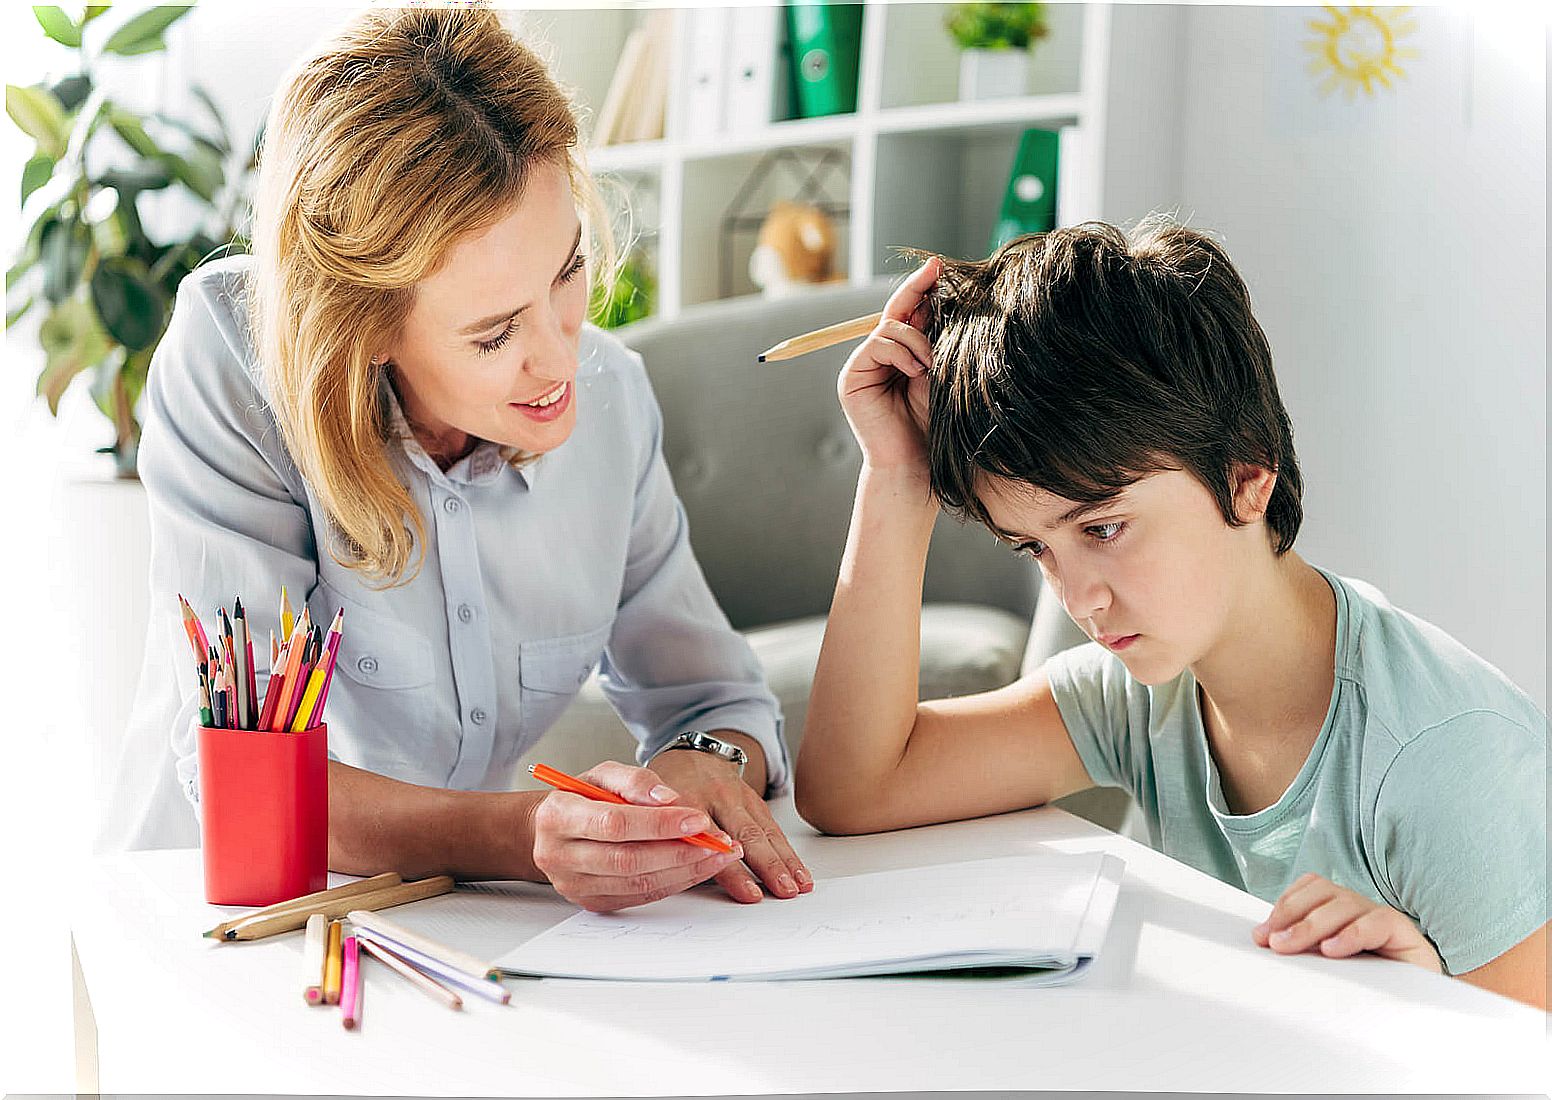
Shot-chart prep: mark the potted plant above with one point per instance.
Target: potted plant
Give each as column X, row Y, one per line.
column 996, row 40
column 103, row 283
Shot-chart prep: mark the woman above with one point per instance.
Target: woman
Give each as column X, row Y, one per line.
column 395, row 407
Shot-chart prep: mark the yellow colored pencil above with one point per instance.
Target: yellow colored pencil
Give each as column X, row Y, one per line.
column 333, row 965
column 304, row 710
column 286, row 619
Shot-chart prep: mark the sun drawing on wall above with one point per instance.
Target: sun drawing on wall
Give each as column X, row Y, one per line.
column 1359, row 48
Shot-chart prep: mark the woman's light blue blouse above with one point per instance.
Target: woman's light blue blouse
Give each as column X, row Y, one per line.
column 532, row 578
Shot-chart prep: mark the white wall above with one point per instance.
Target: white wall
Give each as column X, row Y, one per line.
column 1395, row 248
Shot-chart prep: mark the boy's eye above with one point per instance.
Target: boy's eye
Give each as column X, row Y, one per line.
column 1106, row 532
column 1034, row 548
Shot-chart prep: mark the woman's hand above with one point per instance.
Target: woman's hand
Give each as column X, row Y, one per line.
column 713, row 784
column 1314, row 911
column 883, row 387
column 605, row 857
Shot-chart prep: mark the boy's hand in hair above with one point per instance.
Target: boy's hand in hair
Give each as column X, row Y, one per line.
column 1316, row 914
column 883, row 387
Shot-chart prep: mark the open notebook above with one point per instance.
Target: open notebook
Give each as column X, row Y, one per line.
column 1045, row 916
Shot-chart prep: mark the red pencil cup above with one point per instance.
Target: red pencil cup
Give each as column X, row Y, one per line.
column 264, row 809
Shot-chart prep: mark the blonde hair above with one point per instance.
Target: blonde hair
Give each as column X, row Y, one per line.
column 407, row 131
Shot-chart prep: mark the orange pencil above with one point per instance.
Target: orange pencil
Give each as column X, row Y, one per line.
column 295, row 681
column 571, row 784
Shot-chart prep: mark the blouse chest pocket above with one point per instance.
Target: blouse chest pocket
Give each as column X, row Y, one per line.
column 377, row 650
column 552, row 671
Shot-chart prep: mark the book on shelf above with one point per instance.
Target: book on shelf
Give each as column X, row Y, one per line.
column 755, row 68
column 1029, row 202
column 637, row 99
column 826, row 52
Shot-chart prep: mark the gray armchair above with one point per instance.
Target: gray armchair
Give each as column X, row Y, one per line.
column 766, row 467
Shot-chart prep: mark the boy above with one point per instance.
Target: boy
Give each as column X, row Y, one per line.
column 1106, row 404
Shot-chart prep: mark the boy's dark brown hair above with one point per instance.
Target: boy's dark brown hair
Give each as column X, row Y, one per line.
column 1077, row 361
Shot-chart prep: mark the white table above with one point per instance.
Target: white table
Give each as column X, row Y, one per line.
column 1180, row 1000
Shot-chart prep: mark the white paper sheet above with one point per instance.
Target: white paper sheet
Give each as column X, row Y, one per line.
column 1019, row 910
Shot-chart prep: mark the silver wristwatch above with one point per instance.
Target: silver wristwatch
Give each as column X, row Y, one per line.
column 705, row 742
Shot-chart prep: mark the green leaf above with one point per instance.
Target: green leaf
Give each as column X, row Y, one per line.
column 17, row 312
column 72, row 341
column 58, row 26
column 133, row 131
column 143, row 33
column 201, row 174
column 63, row 249
column 88, row 120
column 36, row 174
column 93, row 11
column 217, row 145
column 131, row 306
column 40, row 116
column 215, row 113
column 72, row 90
column 151, row 176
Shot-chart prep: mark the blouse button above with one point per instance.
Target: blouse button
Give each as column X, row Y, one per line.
column 367, row 664
column 452, row 504
column 478, row 714
column 465, row 612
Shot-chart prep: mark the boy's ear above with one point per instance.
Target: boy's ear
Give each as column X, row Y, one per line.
column 1253, row 487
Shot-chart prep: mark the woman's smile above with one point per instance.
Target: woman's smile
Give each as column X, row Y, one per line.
column 547, row 406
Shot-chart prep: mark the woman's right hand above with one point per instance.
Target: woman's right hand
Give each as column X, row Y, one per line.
column 883, row 387
column 605, row 857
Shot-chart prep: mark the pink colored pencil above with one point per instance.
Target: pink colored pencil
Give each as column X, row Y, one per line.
column 330, row 655
column 350, row 983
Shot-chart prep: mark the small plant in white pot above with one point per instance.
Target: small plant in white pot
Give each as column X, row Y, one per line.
column 996, row 40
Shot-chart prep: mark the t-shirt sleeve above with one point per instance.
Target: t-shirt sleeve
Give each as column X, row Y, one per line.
column 1460, row 833
column 1092, row 692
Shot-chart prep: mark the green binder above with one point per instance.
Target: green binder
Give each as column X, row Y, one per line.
column 826, row 44
column 1029, row 204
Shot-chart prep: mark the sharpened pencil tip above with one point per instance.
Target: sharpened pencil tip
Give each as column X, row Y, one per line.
column 759, row 358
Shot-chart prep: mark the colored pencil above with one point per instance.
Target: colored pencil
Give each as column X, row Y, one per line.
column 309, row 903
column 309, row 703
column 239, row 666
column 350, row 984
column 296, row 681
column 571, row 784
column 420, row 980
column 336, row 629
column 248, row 670
column 191, row 628
column 314, row 948
column 821, row 338
column 490, row 990
column 288, row 920
column 384, row 928
column 333, row 963
column 286, row 621
column 207, row 716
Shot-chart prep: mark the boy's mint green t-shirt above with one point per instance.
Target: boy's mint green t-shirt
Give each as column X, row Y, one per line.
column 1425, row 790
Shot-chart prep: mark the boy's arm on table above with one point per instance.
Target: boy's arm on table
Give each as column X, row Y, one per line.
column 872, row 757
column 1520, row 972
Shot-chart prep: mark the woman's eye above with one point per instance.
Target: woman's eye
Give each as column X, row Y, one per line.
column 487, row 346
column 575, row 269
column 1106, row 532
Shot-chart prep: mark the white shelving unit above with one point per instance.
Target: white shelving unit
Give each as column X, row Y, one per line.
column 926, row 169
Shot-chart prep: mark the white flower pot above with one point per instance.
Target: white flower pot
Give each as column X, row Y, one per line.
column 993, row 74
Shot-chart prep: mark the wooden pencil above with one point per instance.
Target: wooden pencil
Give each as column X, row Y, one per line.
column 392, row 930
column 350, row 983
column 292, row 919
column 825, row 337
column 314, row 949
column 309, row 903
column 420, row 980
column 333, row 963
